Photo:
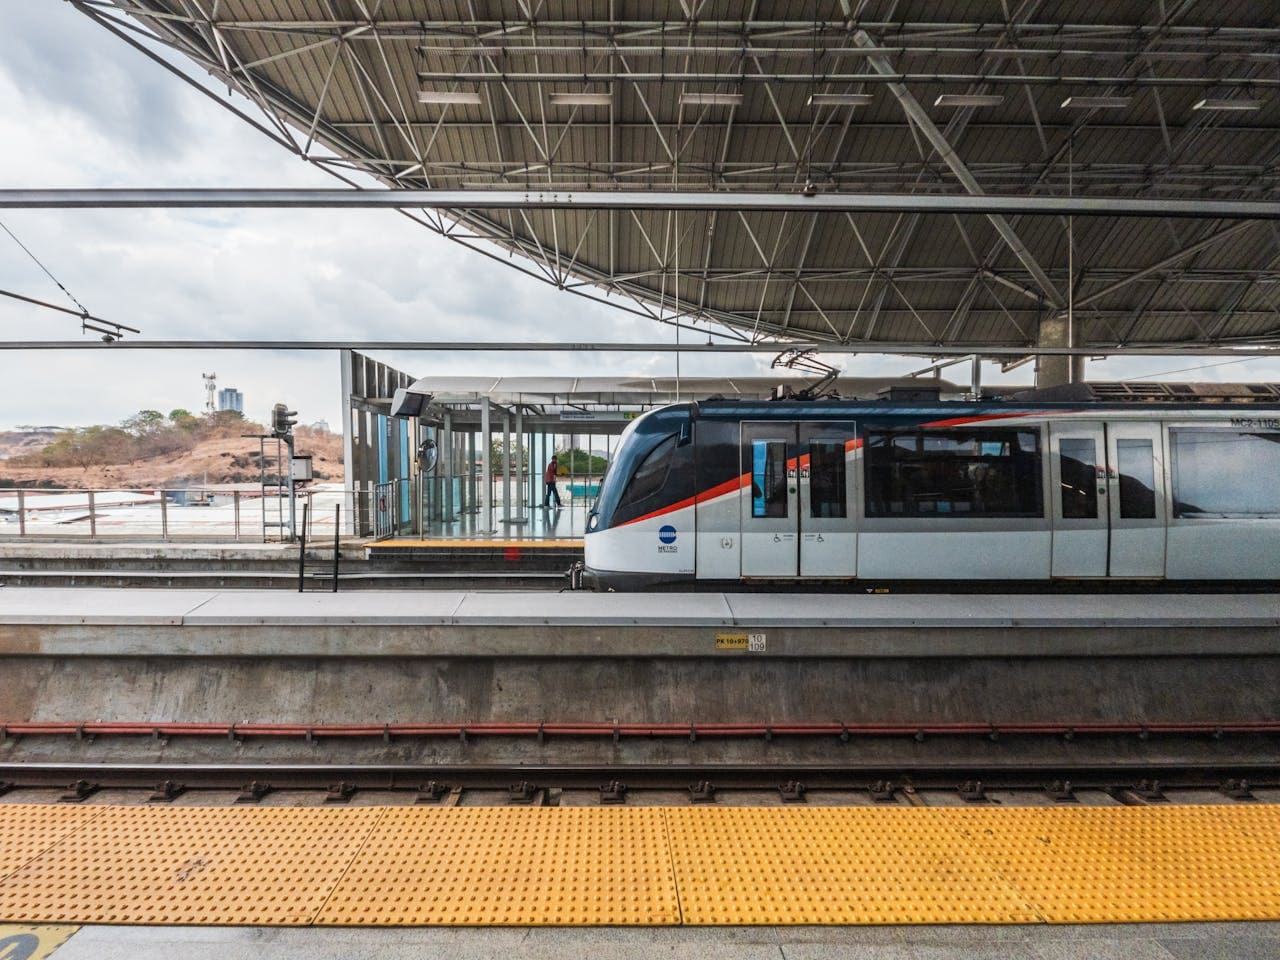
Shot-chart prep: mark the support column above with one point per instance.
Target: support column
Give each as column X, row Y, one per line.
column 1054, row 371
column 444, row 467
column 506, row 468
column 485, row 524
column 520, row 449
column 473, row 490
column 350, row 499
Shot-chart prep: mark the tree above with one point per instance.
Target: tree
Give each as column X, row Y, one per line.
column 519, row 457
column 581, row 463
column 144, row 422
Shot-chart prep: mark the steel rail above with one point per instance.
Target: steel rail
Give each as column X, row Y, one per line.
column 747, row 202
column 771, row 347
column 689, row 731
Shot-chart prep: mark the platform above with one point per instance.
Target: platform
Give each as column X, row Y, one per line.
column 569, row 522
column 636, row 866
column 279, row 623
column 608, row 682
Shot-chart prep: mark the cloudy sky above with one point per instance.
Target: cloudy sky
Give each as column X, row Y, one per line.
column 80, row 108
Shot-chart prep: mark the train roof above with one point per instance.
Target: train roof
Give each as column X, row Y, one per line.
column 825, row 409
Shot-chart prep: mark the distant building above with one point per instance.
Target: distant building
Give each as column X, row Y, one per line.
column 229, row 398
column 321, row 425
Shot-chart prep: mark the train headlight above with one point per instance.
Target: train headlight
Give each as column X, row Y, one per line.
column 593, row 521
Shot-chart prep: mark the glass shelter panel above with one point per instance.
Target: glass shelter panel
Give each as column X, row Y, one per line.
column 987, row 472
column 1219, row 473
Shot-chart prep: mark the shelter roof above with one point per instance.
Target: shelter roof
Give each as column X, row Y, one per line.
column 723, row 96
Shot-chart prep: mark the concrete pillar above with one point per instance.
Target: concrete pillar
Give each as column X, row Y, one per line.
column 1053, row 371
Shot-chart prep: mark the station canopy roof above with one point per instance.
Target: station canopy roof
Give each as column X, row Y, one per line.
column 1097, row 98
column 631, row 393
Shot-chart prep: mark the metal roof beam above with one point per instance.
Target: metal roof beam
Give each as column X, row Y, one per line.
column 897, row 348
column 1164, row 263
column 922, row 121
column 746, row 202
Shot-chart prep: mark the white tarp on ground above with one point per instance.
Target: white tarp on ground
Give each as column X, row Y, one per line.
column 38, row 501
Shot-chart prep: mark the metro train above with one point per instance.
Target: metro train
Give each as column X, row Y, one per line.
column 718, row 492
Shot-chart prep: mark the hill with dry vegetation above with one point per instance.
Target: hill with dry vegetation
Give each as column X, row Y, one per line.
column 151, row 450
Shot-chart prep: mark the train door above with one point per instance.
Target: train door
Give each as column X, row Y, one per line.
column 770, row 511
column 1079, row 499
column 1135, row 457
column 828, row 537
column 1108, row 499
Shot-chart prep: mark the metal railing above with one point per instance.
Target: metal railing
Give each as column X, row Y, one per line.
column 394, row 508
column 186, row 513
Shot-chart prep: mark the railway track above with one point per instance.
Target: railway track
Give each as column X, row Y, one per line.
column 938, row 785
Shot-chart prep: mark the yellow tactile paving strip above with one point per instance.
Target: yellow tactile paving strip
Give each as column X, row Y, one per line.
column 502, row 865
column 833, row 865
column 26, row 832
column 205, row 865
column 637, row 865
column 1154, row 863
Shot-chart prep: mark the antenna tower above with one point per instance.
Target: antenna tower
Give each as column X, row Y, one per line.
column 210, row 388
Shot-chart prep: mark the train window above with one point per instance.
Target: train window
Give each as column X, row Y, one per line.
column 1137, row 467
column 768, row 478
column 1078, row 470
column 826, row 479
column 1219, row 473
column 651, row 474
column 980, row 472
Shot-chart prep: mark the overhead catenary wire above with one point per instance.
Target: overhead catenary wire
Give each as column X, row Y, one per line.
column 88, row 321
column 1201, row 366
column 47, row 272
column 86, row 318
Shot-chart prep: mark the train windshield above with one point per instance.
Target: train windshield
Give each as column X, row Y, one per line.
column 642, row 456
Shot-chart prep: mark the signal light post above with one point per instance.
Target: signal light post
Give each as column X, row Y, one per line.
column 282, row 422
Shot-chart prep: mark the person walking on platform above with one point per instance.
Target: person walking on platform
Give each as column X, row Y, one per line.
column 552, row 474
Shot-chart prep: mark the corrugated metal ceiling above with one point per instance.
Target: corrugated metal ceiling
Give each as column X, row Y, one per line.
column 342, row 77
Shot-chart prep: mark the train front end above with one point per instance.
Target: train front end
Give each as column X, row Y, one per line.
column 641, row 530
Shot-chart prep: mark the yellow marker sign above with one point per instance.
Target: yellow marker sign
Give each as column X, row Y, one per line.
column 27, row 941
column 752, row 642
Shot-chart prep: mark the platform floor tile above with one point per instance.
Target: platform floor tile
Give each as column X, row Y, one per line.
column 26, row 831
column 499, row 865
column 523, row 866
column 1153, row 863
column 833, row 865
column 205, row 865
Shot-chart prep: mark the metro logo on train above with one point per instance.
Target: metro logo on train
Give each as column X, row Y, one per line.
column 845, row 491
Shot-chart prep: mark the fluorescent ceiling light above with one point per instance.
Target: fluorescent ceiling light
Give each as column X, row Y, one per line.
column 711, row 99
column 583, row 99
column 449, row 96
column 969, row 100
column 1096, row 103
column 840, row 99
column 1235, row 105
